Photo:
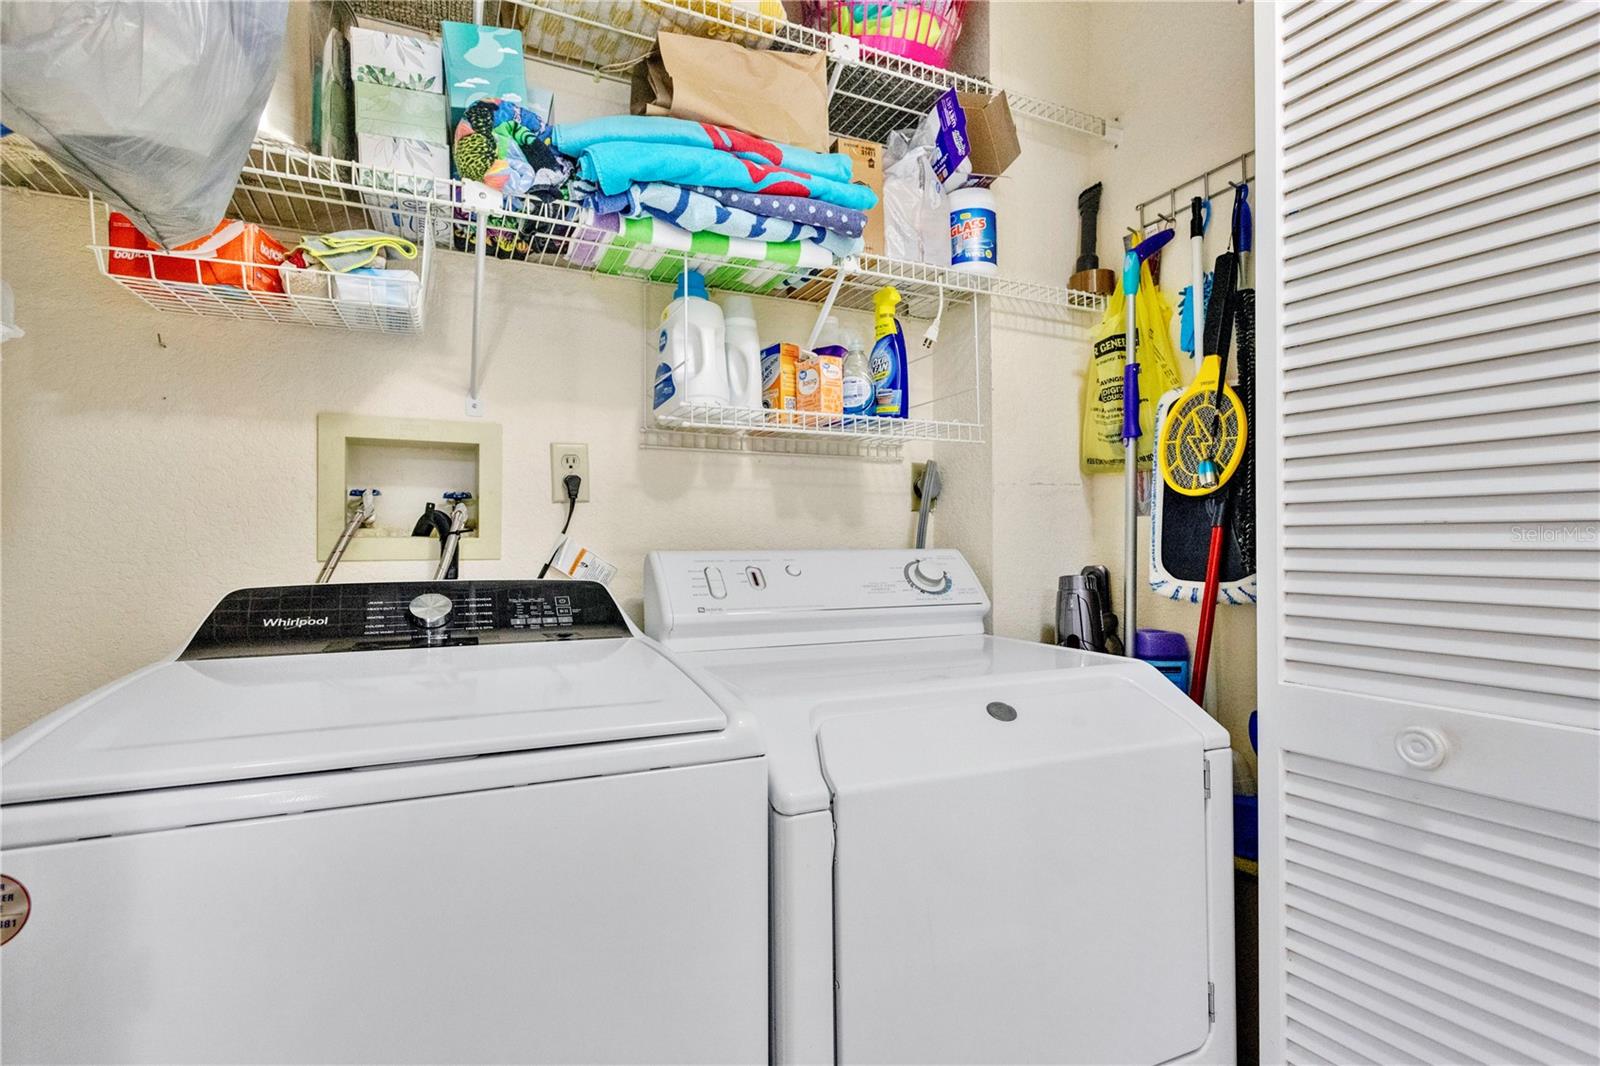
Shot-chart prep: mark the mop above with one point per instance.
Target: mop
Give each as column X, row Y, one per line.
column 1132, row 263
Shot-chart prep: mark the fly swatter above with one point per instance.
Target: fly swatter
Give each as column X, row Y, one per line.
column 1202, row 440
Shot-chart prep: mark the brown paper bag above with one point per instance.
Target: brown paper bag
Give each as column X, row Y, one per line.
column 780, row 96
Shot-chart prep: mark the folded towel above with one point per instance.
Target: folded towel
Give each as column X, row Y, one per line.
column 845, row 221
column 698, row 213
column 656, row 250
column 353, row 249
column 578, row 137
column 614, row 165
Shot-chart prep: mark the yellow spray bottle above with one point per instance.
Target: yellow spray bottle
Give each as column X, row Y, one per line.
column 888, row 359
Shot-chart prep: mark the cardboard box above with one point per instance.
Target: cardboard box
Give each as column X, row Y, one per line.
column 819, row 384
column 866, row 168
column 991, row 133
column 778, row 366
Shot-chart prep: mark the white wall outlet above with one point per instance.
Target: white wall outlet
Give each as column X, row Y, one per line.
column 568, row 459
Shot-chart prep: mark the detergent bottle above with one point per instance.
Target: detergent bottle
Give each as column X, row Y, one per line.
column 860, row 397
column 744, row 352
column 888, row 359
column 694, row 362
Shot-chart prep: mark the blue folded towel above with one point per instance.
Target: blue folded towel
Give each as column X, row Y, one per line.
column 578, row 137
column 615, row 165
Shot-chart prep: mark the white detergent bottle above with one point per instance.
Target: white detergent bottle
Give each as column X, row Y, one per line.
column 744, row 352
column 693, row 366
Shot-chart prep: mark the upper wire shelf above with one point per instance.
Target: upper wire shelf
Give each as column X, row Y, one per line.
column 290, row 191
column 872, row 93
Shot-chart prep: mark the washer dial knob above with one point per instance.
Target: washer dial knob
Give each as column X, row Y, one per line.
column 925, row 575
column 431, row 610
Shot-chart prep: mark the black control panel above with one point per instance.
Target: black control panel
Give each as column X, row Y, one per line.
column 311, row 619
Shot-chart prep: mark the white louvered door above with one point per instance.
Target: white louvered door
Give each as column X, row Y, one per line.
column 1428, row 277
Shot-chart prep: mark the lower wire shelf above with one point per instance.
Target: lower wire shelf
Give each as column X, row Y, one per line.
column 708, row 427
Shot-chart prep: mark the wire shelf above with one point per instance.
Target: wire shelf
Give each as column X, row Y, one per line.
column 878, row 451
column 1061, row 115
column 292, row 192
column 760, row 422
column 24, row 166
column 289, row 195
column 872, row 93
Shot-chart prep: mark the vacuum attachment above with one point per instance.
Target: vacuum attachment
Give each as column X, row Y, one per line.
column 1087, row 275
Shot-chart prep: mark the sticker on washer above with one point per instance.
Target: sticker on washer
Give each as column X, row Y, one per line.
column 14, row 907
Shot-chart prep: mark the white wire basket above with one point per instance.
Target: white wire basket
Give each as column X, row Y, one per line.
column 289, row 195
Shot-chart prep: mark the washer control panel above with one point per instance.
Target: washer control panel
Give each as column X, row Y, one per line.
column 746, row 599
column 311, row 619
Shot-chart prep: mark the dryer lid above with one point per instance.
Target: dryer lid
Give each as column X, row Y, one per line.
column 1019, row 877
column 200, row 721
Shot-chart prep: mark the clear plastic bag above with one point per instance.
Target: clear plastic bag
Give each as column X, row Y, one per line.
column 151, row 104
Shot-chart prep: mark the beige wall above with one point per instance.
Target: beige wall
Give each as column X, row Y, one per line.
column 152, row 462
column 1181, row 79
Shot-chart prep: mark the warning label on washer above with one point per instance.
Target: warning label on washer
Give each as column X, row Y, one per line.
column 14, row 907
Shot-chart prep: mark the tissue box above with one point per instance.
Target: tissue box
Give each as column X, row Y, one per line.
column 482, row 62
column 396, row 60
column 404, row 211
column 385, row 111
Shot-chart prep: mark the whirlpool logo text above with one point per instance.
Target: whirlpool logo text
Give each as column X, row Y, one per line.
column 294, row 623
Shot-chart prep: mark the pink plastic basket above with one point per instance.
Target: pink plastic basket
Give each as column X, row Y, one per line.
column 925, row 32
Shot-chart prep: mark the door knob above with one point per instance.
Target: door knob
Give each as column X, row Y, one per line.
column 1421, row 747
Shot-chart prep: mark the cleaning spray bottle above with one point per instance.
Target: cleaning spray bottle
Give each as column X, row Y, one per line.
column 888, row 359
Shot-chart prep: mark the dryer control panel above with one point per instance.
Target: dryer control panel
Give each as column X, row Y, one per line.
column 718, row 599
column 310, row 619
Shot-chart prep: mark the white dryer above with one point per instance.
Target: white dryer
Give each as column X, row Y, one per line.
column 475, row 821
column 983, row 850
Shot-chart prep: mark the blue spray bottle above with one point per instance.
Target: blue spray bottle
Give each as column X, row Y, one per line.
column 888, row 359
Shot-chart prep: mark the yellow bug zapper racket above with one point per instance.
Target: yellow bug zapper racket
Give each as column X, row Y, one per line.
column 1202, row 439
column 1202, row 442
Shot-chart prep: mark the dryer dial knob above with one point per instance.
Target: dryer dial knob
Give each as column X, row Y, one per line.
column 431, row 610
column 924, row 575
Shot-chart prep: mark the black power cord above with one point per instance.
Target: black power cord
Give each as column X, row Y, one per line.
column 573, row 483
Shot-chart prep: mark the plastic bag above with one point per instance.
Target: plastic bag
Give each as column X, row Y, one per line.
column 916, row 223
column 1100, row 447
column 151, row 104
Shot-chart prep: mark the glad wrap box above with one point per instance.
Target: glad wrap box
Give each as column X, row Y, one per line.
column 241, row 255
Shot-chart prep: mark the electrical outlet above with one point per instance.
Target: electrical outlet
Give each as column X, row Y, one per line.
column 568, row 459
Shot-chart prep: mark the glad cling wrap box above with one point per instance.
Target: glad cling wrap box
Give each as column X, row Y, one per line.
column 240, row 255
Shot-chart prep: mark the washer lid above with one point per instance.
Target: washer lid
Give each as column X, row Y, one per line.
column 199, row 721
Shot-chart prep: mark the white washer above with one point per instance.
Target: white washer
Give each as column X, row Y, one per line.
column 983, row 850
column 435, row 822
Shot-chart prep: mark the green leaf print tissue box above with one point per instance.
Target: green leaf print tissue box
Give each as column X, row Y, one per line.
column 396, row 61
